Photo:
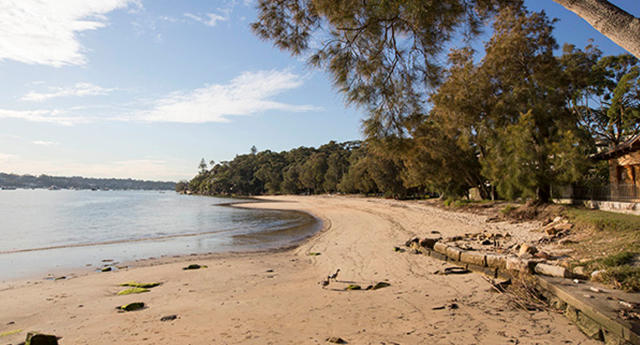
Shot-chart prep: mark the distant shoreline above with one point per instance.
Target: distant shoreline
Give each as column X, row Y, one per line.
column 11, row 181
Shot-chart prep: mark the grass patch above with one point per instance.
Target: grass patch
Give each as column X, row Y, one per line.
column 609, row 242
column 505, row 211
column 8, row 333
column 624, row 277
column 603, row 220
column 133, row 290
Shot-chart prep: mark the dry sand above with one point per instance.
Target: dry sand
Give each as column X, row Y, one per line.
column 236, row 300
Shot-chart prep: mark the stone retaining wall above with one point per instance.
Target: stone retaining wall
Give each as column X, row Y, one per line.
column 592, row 322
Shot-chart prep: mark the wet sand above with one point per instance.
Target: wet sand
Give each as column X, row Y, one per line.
column 274, row 297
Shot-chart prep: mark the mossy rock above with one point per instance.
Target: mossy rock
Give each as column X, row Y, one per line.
column 314, row 254
column 141, row 285
column 353, row 287
column 106, row 269
column 380, row 285
column 194, row 267
column 34, row 338
column 131, row 306
column 8, row 333
column 133, row 290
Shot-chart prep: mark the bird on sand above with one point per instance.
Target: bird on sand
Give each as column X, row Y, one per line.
column 334, row 276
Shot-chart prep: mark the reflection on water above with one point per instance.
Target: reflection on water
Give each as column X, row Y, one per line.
column 43, row 230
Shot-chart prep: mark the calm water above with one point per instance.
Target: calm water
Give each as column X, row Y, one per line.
column 45, row 231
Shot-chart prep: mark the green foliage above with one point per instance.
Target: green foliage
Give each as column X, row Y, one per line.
column 133, row 290
column 512, row 124
column 382, row 54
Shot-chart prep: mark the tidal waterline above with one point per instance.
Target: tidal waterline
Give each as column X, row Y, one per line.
column 44, row 231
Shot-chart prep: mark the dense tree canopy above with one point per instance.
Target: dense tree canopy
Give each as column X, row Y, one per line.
column 513, row 124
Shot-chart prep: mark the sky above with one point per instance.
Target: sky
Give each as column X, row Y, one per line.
column 146, row 88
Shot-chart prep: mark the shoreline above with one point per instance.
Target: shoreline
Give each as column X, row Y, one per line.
column 312, row 226
column 274, row 296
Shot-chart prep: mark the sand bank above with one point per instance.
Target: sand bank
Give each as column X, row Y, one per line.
column 275, row 298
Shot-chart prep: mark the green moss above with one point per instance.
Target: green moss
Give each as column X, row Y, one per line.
column 131, row 306
column 353, row 287
column 381, row 285
column 141, row 285
column 134, row 290
column 8, row 333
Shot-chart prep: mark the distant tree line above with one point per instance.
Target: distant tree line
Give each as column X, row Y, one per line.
column 350, row 167
column 512, row 124
column 76, row 182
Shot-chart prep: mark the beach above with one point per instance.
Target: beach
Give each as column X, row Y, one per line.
column 274, row 297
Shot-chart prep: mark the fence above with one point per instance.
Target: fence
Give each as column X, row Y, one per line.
column 625, row 192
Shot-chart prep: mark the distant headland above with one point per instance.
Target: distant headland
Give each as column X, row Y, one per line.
column 13, row 181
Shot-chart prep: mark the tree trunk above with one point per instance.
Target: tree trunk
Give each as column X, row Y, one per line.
column 612, row 21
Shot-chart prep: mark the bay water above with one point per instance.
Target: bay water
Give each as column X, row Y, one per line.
column 45, row 232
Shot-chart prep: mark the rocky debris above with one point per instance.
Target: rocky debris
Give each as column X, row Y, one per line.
column 106, row 269
column 398, row 250
column 628, row 315
column 336, row 340
column 34, row 338
column 168, row 318
column 566, row 241
column 194, row 267
column 552, row 270
column 455, row 270
column 131, row 306
column 411, row 241
column 597, row 275
column 451, row 306
column 580, row 271
column 558, row 225
column 526, row 249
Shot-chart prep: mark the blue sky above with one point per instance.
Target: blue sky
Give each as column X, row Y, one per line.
column 144, row 89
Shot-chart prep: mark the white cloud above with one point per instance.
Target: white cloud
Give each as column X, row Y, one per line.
column 45, row 31
column 44, row 143
column 79, row 89
column 247, row 94
column 208, row 19
column 43, row 115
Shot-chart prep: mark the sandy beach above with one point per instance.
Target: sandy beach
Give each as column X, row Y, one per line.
column 276, row 298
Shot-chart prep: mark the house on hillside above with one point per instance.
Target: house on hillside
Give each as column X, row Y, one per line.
column 624, row 170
